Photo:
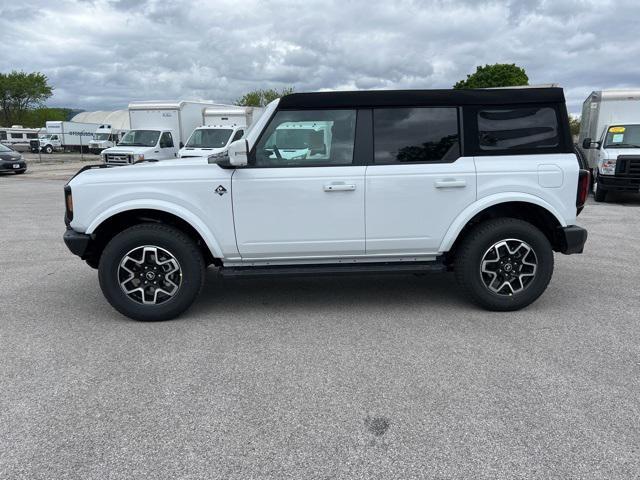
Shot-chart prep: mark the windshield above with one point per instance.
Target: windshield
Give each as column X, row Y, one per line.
column 140, row 138
column 45, row 137
column 4, row 149
column 623, row 136
column 209, row 138
column 101, row 136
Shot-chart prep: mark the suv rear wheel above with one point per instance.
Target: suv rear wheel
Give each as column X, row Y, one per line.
column 151, row 272
column 504, row 264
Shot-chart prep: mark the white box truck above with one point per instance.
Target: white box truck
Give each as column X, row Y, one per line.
column 158, row 130
column 105, row 137
column 221, row 126
column 610, row 140
column 61, row 136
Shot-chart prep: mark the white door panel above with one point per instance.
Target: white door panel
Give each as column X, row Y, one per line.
column 299, row 212
column 409, row 207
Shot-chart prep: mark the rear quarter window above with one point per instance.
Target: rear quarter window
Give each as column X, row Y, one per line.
column 516, row 130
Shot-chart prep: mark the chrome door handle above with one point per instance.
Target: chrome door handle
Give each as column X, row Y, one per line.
column 340, row 187
column 450, row 183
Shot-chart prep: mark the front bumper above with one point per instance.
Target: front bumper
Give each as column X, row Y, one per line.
column 619, row 184
column 8, row 165
column 571, row 239
column 77, row 243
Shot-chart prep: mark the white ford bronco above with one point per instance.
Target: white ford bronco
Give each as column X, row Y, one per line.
column 484, row 183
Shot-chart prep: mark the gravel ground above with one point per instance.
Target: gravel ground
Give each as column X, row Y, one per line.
column 347, row 377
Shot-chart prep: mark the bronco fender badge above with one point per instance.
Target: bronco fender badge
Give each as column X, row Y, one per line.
column 220, row 190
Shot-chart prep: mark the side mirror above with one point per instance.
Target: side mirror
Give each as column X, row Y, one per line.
column 181, row 145
column 587, row 143
column 238, row 153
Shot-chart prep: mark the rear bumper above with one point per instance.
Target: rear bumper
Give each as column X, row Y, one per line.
column 77, row 243
column 571, row 239
column 619, row 184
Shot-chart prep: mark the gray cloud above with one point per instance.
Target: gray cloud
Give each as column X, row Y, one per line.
column 101, row 54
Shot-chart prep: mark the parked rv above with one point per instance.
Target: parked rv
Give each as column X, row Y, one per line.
column 610, row 139
column 158, row 130
column 222, row 125
column 105, row 137
column 18, row 137
column 65, row 136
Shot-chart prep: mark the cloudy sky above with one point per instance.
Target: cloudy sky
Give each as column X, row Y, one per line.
column 101, row 54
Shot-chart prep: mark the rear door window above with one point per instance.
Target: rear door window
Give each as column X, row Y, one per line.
column 415, row 135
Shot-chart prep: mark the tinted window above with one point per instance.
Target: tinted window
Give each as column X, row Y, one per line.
column 307, row 138
column 32, row 135
column 3, row 135
column 517, row 128
column 409, row 135
column 238, row 135
column 166, row 141
column 16, row 135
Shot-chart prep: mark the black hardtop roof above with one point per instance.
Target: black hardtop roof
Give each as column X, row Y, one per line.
column 427, row 98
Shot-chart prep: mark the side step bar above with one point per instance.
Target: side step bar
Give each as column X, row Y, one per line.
column 334, row 269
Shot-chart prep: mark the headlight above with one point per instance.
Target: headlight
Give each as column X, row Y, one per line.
column 138, row 157
column 608, row 167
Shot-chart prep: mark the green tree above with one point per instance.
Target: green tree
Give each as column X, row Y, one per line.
column 37, row 117
column 574, row 125
column 20, row 91
column 496, row 75
column 260, row 98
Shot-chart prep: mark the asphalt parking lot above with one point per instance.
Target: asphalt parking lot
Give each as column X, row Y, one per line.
column 336, row 377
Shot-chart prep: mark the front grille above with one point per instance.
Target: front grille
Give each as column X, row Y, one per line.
column 628, row 166
column 118, row 158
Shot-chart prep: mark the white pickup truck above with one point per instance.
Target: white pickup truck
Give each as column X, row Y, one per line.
column 484, row 183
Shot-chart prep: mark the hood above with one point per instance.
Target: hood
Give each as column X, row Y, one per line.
column 199, row 152
column 125, row 149
column 615, row 152
column 166, row 170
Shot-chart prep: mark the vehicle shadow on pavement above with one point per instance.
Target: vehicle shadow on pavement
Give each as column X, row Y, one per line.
column 348, row 291
column 623, row 198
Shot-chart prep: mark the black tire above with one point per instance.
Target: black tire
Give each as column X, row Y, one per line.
column 479, row 240
column 172, row 241
column 599, row 193
column 48, row 149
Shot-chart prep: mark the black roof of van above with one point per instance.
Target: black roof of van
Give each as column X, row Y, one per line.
column 430, row 98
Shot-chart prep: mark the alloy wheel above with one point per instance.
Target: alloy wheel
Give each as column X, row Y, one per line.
column 508, row 267
column 149, row 275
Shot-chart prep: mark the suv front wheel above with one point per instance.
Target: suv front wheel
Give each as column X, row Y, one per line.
column 151, row 272
column 504, row 264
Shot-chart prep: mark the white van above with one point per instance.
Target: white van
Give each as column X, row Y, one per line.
column 105, row 137
column 221, row 126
